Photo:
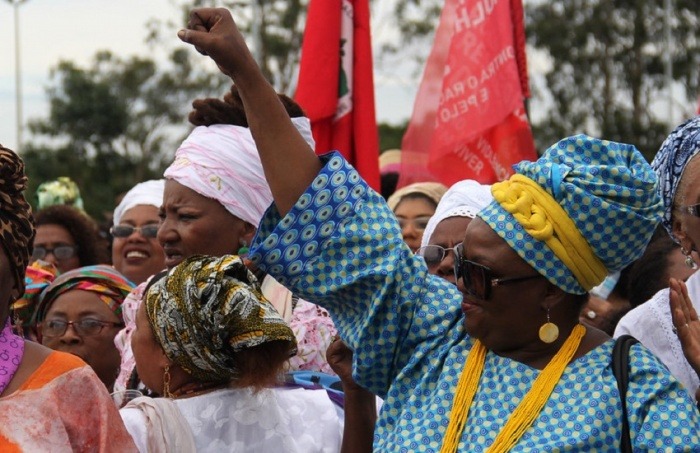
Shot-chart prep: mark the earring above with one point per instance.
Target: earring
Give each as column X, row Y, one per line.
column 166, row 382
column 689, row 261
column 549, row 332
column 243, row 250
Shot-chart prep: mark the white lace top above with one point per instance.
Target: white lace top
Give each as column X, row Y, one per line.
column 273, row 420
column 652, row 325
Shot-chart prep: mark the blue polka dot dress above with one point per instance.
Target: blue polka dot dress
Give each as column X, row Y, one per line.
column 340, row 247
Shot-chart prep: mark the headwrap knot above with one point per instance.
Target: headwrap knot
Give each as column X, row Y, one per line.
column 545, row 220
column 585, row 208
column 206, row 309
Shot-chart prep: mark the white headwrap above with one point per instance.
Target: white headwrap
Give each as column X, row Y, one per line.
column 222, row 162
column 149, row 193
column 464, row 199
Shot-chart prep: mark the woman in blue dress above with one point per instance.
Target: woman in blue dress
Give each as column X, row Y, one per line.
column 498, row 362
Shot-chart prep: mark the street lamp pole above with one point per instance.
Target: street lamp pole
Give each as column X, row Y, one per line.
column 18, row 75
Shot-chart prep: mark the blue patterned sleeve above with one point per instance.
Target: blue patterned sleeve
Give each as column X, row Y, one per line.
column 662, row 415
column 340, row 247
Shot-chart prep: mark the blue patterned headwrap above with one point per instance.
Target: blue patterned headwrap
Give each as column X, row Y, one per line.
column 609, row 192
column 671, row 160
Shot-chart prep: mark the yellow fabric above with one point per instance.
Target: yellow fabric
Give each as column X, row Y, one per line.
column 545, row 220
column 528, row 409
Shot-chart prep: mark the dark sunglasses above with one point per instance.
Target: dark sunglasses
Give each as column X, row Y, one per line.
column 124, row 231
column 478, row 279
column 84, row 327
column 433, row 254
column 62, row 252
column 693, row 210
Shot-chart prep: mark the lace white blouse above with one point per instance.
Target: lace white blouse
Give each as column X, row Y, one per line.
column 279, row 419
column 651, row 324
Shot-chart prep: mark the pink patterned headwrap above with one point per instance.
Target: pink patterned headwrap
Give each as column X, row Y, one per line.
column 221, row 162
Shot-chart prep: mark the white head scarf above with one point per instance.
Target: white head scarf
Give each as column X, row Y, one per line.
column 464, row 199
column 222, row 162
column 149, row 193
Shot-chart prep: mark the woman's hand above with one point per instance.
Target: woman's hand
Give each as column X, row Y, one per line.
column 685, row 322
column 213, row 32
column 339, row 357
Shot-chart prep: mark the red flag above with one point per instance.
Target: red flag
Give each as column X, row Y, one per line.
column 336, row 86
column 468, row 119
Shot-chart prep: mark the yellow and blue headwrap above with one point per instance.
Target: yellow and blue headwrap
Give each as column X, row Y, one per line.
column 586, row 208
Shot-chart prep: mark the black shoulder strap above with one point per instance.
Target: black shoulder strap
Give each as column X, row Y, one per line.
column 620, row 366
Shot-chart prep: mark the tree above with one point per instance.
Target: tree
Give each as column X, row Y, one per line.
column 117, row 122
column 274, row 29
column 607, row 67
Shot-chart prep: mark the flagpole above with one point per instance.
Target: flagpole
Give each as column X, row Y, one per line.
column 18, row 75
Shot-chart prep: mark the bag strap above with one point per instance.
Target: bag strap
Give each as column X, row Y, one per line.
column 620, row 367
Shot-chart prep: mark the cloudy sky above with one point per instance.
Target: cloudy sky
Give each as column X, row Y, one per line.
column 52, row 30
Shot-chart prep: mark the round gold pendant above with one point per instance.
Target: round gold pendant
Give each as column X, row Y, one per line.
column 549, row 332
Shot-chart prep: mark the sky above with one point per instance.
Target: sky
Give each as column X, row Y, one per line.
column 74, row 30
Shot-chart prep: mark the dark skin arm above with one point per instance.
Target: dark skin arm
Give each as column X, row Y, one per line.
column 289, row 163
column 360, row 404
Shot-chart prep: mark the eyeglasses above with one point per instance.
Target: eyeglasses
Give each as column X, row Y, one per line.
column 124, row 231
column 433, row 254
column 84, row 327
column 478, row 279
column 62, row 252
column 419, row 223
column 693, row 210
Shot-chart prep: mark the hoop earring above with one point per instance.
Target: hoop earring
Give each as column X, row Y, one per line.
column 549, row 332
column 243, row 249
column 689, row 261
column 166, row 382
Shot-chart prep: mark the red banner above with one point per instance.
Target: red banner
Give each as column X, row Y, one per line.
column 469, row 120
column 336, row 85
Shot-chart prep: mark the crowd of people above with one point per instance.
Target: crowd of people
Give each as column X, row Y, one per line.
column 263, row 298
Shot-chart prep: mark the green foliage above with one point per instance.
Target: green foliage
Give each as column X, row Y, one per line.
column 274, row 30
column 116, row 122
column 390, row 135
column 607, row 74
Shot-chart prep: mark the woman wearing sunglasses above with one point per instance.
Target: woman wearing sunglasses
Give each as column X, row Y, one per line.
column 136, row 252
column 68, row 238
column 447, row 226
column 678, row 167
column 499, row 362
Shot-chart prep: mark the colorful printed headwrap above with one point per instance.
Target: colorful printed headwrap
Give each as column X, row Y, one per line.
column 222, row 162
column 670, row 162
column 105, row 281
column 62, row 190
column 206, row 309
column 38, row 276
column 147, row 193
column 586, row 208
column 16, row 220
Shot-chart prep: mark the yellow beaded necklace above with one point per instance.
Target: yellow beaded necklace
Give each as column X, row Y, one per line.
column 529, row 408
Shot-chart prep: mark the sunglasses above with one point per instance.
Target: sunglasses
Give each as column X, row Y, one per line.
column 84, row 327
column 62, row 252
column 693, row 210
column 433, row 254
column 478, row 279
column 124, row 231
